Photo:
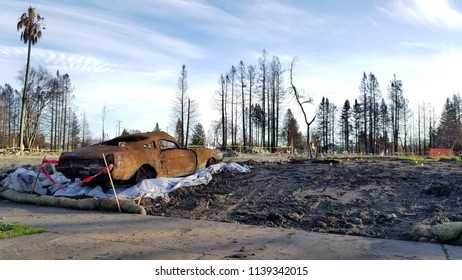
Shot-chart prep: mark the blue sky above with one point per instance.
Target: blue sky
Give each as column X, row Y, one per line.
column 128, row 54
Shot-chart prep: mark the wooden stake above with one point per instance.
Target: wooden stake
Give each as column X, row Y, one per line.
column 38, row 174
column 112, row 184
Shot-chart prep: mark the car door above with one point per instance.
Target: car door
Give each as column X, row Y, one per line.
column 179, row 162
column 153, row 157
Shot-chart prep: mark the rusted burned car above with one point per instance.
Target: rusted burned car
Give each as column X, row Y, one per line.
column 132, row 158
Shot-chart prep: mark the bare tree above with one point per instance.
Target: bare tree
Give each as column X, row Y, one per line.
column 181, row 102
column 333, row 113
column 74, row 132
column 66, row 89
column 373, row 90
column 276, row 95
column 302, row 100
column 384, row 120
column 219, row 103
column 104, row 113
column 357, row 111
column 242, row 77
column 39, row 96
column 323, row 114
column 53, row 111
column 232, row 82
column 86, row 134
column 432, row 127
column 395, row 94
column 184, row 109
column 188, row 119
column 8, row 114
column 363, row 92
column 263, row 64
column 345, row 124
column 59, row 111
column 224, row 116
column 251, row 76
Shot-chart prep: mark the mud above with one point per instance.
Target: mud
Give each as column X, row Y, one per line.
column 380, row 198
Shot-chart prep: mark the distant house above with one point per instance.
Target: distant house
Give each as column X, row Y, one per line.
column 441, row 152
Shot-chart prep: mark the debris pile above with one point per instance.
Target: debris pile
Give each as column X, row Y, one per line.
column 28, row 186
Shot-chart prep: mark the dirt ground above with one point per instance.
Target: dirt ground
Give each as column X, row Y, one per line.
column 373, row 197
column 381, row 197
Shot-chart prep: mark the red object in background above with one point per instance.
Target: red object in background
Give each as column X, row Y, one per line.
column 440, row 152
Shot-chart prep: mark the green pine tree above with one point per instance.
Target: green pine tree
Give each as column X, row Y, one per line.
column 198, row 137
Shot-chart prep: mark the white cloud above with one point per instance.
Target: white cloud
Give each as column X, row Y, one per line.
column 61, row 60
column 439, row 13
column 268, row 21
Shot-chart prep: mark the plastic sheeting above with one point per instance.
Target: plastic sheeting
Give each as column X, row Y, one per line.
column 22, row 180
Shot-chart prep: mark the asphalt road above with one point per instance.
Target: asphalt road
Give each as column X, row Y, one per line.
column 85, row 235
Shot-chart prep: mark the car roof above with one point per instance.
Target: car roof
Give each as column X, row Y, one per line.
column 139, row 137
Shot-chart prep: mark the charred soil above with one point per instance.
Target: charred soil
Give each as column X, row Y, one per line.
column 373, row 197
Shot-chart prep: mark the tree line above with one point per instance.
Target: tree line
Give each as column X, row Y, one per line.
column 249, row 99
column 383, row 123
column 50, row 118
column 250, row 102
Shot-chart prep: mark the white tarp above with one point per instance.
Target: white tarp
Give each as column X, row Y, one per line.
column 22, row 180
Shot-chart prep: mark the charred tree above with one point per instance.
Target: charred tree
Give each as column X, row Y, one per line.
column 302, row 100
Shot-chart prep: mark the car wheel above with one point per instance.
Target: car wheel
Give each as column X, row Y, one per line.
column 145, row 172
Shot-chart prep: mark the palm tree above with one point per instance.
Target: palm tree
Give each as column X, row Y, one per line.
column 30, row 23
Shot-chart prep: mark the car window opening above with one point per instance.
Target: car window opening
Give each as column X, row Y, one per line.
column 167, row 145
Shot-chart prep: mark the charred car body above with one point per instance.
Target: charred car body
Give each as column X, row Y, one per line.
column 132, row 158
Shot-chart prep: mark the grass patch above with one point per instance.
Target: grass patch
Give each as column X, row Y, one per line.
column 9, row 230
column 422, row 159
column 416, row 159
column 453, row 158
